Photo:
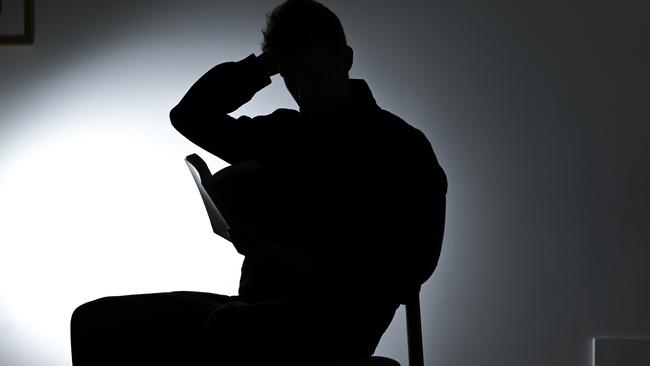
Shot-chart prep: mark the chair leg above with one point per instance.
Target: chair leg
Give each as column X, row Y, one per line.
column 367, row 361
column 414, row 332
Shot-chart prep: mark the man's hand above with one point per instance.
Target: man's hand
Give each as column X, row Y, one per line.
column 269, row 63
column 277, row 257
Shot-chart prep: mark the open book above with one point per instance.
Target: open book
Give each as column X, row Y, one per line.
column 244, row 195
column 239, row 194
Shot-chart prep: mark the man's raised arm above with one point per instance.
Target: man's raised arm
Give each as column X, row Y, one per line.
column 202, row 114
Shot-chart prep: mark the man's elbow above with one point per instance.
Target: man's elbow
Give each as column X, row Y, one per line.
column 176, row 117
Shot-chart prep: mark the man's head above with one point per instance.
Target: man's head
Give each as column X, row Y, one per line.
column 308, row 43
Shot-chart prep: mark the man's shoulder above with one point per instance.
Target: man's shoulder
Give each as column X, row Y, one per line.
column 396, row 128
column 409, row 146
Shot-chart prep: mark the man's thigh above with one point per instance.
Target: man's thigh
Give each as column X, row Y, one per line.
column 186, row 327
column 277, row 332
column 151, row 328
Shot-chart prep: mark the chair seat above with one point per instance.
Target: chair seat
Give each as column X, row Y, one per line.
column 367, row 361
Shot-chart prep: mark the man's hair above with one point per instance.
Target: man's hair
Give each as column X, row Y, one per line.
column 296, row 24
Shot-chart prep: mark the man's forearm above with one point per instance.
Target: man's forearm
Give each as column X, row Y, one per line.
column 223, row 89
column 202, row 114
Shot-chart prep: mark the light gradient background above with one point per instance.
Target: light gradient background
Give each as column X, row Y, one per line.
column 539, row 111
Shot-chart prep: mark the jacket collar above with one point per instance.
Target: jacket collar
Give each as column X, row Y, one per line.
column 362, row 101
column 362, row 97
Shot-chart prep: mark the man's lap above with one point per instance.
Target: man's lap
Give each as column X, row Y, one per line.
column 168, row 327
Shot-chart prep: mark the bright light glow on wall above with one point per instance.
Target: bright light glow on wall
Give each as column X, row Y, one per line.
column 97, row 201
column 93, row 213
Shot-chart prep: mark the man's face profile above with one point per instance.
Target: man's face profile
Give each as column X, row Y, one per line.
column 316, row 79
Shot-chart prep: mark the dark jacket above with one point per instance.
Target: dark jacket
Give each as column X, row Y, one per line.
column 363, row 193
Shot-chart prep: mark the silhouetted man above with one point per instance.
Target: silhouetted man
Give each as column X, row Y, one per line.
column 356, row 227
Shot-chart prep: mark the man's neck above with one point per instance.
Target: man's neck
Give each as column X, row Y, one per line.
column 344, row 98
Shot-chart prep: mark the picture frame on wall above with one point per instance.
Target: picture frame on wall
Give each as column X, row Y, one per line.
column 16, row 22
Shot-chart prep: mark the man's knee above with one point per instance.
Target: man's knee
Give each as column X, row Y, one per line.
column 81, row 314
column 224, row 322
column 87, row 315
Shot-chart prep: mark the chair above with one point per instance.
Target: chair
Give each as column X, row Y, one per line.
column 413, row 336
column 201, row 174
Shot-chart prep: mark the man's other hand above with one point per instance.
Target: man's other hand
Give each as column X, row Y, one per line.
column 283, row 257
